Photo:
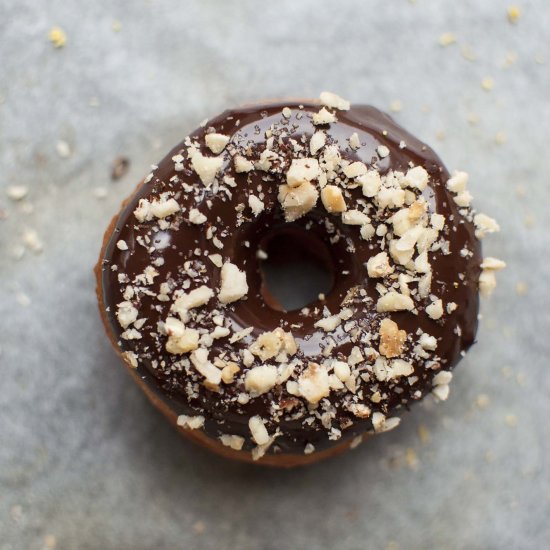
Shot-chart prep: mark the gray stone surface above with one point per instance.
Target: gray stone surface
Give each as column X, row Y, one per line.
column 85, row 462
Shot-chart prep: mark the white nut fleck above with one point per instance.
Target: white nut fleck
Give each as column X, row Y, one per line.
column 233, row 284
column 256, row 205
column 216, row 142
column 196, row 217
column 260, row 380
column 379, row 266
column 317, row 141
column 297, row 201
column 206, row 167
column 199, row 359
column 323, row 117
column 242, row 164
column 435, row 310
column 190, row 422
column 333, row 199
column 301, row 170
column 314, row 383
column 394, row 301
column 258, row 430
column 334, row 101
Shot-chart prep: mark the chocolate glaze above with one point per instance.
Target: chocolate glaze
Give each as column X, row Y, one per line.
column 454, row 276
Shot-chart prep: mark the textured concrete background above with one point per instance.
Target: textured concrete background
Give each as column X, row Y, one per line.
column 85, row 462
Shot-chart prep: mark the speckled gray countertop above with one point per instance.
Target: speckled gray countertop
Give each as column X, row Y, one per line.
column 85, row 461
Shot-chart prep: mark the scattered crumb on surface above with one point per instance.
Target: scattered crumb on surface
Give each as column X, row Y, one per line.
column 117, row 25
column 521, row 288
column 513, row 13
column 487, row 83
column 22, row 299
column 511, row 420
column 63, row 149
column 482, row 401
column 423, row 434
column 199, row 527
column 396, row 106
column 468, row 53
column 447, row 38
column 17, row 192
column 500, row 138
column 57, row 37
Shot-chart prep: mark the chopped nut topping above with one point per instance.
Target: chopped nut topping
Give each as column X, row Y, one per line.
column 354, row 141
column 297, row 201
column 435, row 309
column 417, row 178
column 332, row 199
column 323, row 117
column 126, row 314
column 258, row 430
column 196, row 217
column 196, row 298
column 334, row 101
column 355, row 217
column 394, row 301
column 271, row 344
column 260, row 380
column 190, row 422
column 317, row 141
column 235, row 442
column 206, row 167
column 242, row 164
column 199, row 359
column 329, row 324
column 233, row 284
column 355, row 169
column 379, row 266
column 216, row 142
column 484, row 224
column 392, row 339
column 180, row 339
column 256, row 205
column 314, row 384
column 302, row 170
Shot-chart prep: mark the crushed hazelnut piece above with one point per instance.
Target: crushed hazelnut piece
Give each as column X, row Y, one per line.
column 256, row 205
column 233, row 284
column 199, row 359
column 334, row 101
column 216, row 142
column 206, row 167
column 196, row 217
column 258, row 430
column 242, row 164
column 394, row 301
column 314, row 384
column 190, row 422
column 435, row 310
column 260, row 380
column 297, row 201
column 332, row 199
column 379, row 266
column 323, row 117
column 392, row 339
column 317, row 141
column 234, row 442
column 301, row 170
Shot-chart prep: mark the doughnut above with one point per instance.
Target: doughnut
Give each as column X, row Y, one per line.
column 183, row 294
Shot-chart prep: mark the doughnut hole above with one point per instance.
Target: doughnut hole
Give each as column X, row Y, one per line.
column 296, row 268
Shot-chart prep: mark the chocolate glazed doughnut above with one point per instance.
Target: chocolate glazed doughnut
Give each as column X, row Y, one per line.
column 182, row 294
